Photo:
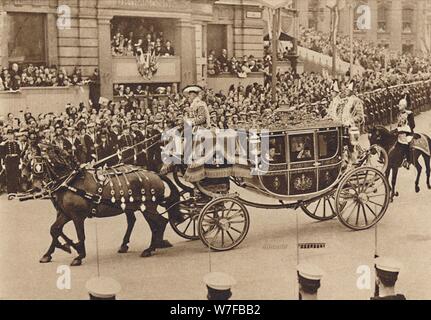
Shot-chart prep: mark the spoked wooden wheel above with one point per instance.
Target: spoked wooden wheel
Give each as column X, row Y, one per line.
column 322, row 209
column 362, row 198
column 223, row 224
column 377, row 158
column 188, row 229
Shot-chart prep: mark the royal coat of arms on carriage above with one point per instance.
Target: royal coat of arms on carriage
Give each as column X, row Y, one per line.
column 303, row 183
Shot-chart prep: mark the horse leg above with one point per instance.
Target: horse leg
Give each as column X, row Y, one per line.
column 131, row 219
column 419, row 172
column 428, row 170
column 157, row 225
column 56, row 231
column 394, row 183
column 80, row 246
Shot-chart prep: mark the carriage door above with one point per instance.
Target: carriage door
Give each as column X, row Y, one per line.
column 302, row 163
column 328, row 157
column 275, row 179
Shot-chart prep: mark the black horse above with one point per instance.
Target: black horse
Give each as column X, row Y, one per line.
column 389, row 141
column 80, row 193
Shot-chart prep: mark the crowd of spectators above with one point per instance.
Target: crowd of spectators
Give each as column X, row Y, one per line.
column 240, row 67
column 16, row 77
column 141, row 41
column 366, row 54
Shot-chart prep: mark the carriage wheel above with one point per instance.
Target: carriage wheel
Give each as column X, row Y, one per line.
column 377, row 157
column 322, row 209
column 224, row 224
column 362, row 198
column 188, row 229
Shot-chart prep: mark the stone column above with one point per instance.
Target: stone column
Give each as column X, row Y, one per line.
column 3, row 38
column 52, row 44
column 396, row 26
column 186, row 48
column 372, row 33
column 303, row 12
column 105, row 58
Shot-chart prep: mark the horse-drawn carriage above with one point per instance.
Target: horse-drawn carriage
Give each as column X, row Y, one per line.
column 314, row 168
column 308, row 168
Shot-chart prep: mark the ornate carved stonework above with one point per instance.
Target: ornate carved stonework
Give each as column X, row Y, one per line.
column 147, row 4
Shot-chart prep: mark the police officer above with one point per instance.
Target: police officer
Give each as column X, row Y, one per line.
column 309, row 277
column 219, row 286
column 10, row 158
column 387, row 271
column 103, row 288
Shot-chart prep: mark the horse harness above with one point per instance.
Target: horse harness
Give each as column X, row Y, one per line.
column 111, row 176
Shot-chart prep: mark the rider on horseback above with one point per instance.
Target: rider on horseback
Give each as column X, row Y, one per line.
column 406, row 125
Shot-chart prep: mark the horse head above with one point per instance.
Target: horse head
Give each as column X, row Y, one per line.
column 57, row 162
column 381, row 136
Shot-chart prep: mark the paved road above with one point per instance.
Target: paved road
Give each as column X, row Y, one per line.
column 264, row 265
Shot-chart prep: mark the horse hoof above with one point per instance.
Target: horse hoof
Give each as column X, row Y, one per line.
column 76, row 263
column 147, row 254
column 164, row 245
column 46, row 259
column 418, row 189
column 123, row 249
column 397, row 194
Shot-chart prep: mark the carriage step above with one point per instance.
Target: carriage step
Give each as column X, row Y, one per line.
column 306, row 246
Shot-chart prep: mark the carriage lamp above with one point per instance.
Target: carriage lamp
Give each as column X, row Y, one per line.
column 255, row 145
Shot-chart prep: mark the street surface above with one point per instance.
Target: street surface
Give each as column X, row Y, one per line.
column 264, row 265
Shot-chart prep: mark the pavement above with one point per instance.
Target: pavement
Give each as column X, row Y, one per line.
column 264, row 265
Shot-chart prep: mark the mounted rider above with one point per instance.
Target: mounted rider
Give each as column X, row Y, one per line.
column 406, row 126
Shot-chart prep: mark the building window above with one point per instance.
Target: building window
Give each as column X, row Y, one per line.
column 357, row 14
column 382, row 14
column 407, row 18
column 27, row 38
column 217, row 38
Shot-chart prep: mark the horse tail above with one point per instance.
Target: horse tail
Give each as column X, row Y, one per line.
column 171, row 203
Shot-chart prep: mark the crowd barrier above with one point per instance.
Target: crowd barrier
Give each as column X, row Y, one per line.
column 42, row 99
column 326, row 61
column 223, row 81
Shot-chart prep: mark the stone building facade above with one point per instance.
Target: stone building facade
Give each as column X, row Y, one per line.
column 69, row 33
column 399, row 25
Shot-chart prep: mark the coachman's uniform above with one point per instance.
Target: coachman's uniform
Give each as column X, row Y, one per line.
column 10, row 157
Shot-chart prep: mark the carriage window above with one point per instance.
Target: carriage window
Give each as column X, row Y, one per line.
column 277, row 151
column 301, row 148
column 328, row 144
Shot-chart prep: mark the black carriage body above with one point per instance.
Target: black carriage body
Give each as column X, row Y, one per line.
column 305, row 164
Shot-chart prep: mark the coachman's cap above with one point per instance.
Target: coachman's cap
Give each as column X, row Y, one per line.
column 102, row 288
column 192, row 89
column 219, row 285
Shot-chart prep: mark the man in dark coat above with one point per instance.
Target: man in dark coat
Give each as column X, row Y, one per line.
column 125, row 143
